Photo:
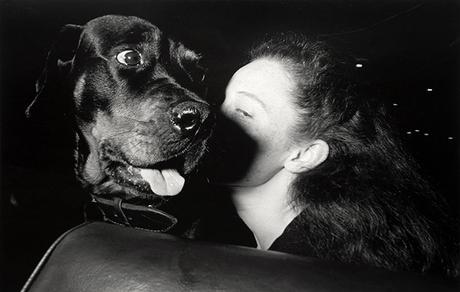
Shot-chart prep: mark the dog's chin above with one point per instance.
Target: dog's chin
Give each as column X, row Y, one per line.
column 111, row 189
column 154, row 183
column 128, row 175
column 111, row 173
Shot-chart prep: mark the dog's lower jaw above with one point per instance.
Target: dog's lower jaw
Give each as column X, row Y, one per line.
column 104, row 172
column 93, row 177
column 110, row 189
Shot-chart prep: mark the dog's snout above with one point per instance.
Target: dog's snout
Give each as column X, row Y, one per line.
column 187, row 117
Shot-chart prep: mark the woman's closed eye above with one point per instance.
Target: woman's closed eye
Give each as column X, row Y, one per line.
column 243, row 113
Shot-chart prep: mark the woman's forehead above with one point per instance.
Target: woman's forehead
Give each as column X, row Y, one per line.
column 265, row 71
column 265, row 78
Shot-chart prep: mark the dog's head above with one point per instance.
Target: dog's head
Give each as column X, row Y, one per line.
column 134, row 96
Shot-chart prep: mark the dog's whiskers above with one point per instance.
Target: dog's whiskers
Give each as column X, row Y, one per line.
column 118, row 133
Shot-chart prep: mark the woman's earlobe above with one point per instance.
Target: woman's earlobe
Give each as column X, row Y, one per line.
column 307, row 157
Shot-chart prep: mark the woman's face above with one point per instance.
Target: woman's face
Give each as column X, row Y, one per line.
column 258, row 102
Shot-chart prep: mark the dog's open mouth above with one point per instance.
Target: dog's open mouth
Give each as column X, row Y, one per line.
column 163, row 179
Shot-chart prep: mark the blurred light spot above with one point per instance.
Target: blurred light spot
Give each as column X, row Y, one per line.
column 13, row 200
column 429, row 89
column 417, row 130
column 426, row 134
column 359, row 65
column 450, row 138
column 395, row 104
column 408, row 132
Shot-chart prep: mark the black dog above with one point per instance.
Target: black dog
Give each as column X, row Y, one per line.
column 134, row 96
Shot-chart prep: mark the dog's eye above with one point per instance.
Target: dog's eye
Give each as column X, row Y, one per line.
column 129, row 58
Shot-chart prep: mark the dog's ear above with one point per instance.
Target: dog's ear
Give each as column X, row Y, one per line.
column 188, row 60
column 191, row 63
column 49, row 101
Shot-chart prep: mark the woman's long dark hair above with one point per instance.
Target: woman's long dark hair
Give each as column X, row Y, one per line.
column 367, row 202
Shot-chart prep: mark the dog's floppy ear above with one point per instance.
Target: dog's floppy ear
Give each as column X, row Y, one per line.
column 49, row 101
column 188, row 59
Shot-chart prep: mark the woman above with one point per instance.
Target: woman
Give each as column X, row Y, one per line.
column 311, row 168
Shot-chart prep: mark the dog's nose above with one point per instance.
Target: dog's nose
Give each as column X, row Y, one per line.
column 188, row 116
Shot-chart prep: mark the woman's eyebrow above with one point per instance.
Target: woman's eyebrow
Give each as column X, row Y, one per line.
column 253, row 97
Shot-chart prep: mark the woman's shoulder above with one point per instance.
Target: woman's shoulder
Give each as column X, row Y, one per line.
column 294, row 239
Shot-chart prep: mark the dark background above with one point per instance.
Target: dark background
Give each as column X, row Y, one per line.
column 405, row 47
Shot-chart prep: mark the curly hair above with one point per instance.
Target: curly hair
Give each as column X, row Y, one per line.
column 366, row 203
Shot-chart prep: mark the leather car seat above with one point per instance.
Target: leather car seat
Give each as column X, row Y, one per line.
column 104, row 257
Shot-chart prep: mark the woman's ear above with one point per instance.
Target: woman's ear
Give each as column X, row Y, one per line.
column 306, row 157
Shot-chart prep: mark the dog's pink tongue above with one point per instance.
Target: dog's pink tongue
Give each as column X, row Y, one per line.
column 165, row 182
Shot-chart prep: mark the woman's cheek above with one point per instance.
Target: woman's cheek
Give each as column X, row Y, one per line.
column 248, row 125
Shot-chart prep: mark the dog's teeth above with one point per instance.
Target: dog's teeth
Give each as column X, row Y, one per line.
column 130, row 169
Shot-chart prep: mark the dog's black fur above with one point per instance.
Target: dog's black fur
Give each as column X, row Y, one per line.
column 133, row 96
